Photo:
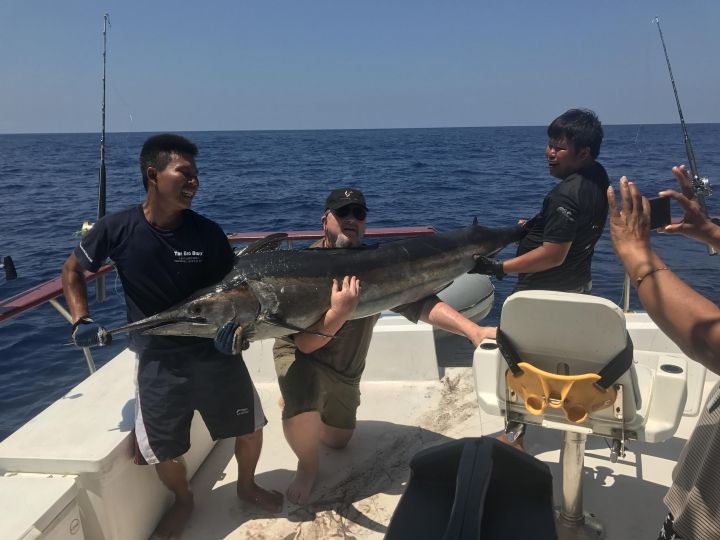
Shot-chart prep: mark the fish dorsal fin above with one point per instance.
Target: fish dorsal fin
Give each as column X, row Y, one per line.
column 276, row 321
column 270, row 243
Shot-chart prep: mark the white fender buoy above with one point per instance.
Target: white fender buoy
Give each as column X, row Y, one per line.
column 470, row 294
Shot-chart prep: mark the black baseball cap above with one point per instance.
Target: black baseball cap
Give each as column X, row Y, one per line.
column 343, row 197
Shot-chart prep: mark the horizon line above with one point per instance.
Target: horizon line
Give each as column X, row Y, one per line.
column 328, row 129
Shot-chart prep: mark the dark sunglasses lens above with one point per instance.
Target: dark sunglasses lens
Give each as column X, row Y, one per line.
column 357, row 211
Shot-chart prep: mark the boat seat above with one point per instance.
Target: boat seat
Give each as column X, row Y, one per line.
column 475, row 489
column 575, row 334
column 568, row 336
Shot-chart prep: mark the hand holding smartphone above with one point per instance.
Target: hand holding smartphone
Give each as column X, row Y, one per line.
column 659, row 212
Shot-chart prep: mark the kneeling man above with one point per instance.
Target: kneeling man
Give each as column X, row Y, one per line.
column 320, row 377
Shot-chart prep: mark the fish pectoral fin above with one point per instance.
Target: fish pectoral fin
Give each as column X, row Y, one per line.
column 229, row 339
column 270, row 243
column 275, row 321
column 265, row 295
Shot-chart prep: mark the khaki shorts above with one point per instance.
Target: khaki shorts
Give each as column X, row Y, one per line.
column 307, row 385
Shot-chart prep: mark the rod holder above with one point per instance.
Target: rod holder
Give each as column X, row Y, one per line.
column 9, row 266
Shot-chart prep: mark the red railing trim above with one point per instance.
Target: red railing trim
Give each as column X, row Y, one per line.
column 40, row 294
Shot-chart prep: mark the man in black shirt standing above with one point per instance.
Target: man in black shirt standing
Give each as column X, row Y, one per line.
column 557, row 250
column 163, row 252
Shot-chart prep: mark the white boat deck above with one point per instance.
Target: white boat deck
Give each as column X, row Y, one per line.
column 360, row 486
column 84, row 439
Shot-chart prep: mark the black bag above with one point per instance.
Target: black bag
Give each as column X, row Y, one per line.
column 475, row 489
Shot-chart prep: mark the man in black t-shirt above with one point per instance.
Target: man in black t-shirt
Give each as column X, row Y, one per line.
column 163, row 252
column 557, row 250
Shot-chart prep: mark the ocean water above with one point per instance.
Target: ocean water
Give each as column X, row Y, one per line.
column 278, row 180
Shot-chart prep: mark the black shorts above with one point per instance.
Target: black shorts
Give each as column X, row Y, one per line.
column 170, row 388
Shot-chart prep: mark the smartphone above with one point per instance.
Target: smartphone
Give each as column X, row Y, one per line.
column 659, row 212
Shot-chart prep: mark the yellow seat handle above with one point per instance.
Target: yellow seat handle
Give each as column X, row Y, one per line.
column 577, row 395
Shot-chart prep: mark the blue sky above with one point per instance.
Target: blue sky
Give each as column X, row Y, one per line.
column 315, row 64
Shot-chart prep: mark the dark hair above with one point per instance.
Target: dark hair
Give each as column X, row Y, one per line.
column 581, row 128
column 158, row 150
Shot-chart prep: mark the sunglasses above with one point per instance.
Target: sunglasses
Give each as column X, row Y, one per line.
column 357, row 211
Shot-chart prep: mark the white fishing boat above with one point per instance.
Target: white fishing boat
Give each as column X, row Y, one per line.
column 68, row 472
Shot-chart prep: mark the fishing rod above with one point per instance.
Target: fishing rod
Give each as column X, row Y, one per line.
column 100, row 284
column 101, row 191
column 701, row 184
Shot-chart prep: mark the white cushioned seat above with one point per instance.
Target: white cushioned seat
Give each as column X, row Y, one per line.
column 572, row 334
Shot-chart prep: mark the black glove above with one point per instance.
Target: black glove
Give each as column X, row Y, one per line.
column 529, row 224
column 228, row 341
column 87, row 333
column 488, row 266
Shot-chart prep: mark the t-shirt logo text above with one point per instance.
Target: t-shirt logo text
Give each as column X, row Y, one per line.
column 188, row 256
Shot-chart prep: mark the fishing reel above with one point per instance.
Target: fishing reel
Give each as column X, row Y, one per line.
column 9, row 266
column 702, row 186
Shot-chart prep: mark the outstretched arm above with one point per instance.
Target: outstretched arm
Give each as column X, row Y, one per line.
column 687, row 317
column 75, row 287
column 548, row 255
column 85, row 331
column 344, row 298
column 443, row 316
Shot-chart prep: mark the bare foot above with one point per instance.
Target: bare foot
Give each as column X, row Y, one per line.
column 301, row 486
column 480, row 333
column 173, row 522
column 270, row 501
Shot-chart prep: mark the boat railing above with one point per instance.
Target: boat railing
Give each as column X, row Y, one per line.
column 626, row 293
column 49, row 291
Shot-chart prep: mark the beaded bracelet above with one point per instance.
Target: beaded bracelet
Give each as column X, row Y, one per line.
column 639, row 280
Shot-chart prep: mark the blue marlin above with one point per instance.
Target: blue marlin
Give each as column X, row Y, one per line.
column 271, row 293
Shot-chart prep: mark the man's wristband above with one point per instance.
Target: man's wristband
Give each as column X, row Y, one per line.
column 85, row 319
